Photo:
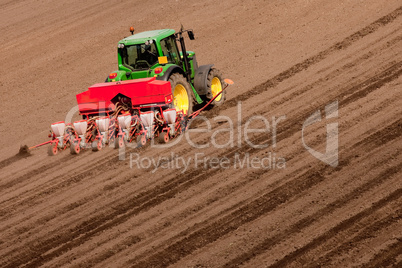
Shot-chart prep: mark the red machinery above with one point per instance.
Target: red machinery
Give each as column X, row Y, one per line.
column 118, row 112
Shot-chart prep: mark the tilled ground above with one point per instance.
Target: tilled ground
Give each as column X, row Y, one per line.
column 94, row 210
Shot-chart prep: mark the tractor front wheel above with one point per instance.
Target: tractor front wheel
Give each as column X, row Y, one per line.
column 215, row 85
column 182, row 93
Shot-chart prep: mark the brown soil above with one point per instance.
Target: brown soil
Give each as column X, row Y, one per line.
column 287, row 58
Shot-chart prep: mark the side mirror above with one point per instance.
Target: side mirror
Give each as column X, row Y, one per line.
column 191, row 35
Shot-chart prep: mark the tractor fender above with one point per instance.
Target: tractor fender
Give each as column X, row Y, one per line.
column 200, row 79
column 120, row 76
column 172, row 69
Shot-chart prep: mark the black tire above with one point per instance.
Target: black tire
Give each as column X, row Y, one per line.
column 141, row 140
column 163, row 137
column 213, row 76
column 52, row 150
column 75, row 148
column 118, row 142
column 96, row 145
column 176, row 80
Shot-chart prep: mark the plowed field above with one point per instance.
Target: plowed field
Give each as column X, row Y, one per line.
column 274, row 205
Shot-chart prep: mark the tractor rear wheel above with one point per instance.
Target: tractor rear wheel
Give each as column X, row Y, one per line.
column 215, row 85
column 182, row 93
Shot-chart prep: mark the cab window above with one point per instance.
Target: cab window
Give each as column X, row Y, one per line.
column 169, row 49
column 140, row 56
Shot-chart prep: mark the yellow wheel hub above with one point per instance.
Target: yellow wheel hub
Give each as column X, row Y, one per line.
column 180, row 98
column 216, row 87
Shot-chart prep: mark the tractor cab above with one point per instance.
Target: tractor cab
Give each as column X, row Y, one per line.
column 157, row 54
column 140, row 55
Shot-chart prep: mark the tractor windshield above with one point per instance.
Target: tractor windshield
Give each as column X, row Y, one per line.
column 139, row 57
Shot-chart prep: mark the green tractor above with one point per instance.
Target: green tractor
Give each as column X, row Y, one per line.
column 156, row 54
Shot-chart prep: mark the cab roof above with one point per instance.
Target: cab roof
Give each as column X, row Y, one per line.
column 141, row 38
